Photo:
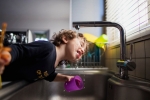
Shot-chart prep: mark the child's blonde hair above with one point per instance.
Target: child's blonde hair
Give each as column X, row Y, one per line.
column 69, row 34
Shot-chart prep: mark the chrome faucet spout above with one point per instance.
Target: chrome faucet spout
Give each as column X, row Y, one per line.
column 122, row 70
column 106, row 24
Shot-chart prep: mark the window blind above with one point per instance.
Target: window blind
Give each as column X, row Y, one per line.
column 133, row 15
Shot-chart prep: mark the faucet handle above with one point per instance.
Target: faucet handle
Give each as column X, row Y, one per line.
column 129, row 65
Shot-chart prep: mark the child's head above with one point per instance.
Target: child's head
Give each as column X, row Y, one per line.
column 76, row 44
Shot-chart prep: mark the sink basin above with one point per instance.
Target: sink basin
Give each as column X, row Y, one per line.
column 95, row 87
column 99, row 84
column 132, row 89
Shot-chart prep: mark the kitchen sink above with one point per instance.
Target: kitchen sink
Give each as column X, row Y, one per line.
column 99, row 84
column 95, row 87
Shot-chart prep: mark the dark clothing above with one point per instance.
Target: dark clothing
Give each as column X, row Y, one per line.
column 31, row 61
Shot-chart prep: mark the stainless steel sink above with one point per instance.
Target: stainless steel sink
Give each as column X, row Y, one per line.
column 132, row 89
column 99, row 84
column 95, row 87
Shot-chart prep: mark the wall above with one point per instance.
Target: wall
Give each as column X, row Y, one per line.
column 35, row 14
column 140, row 55
column 88, row 10
column 50, row 14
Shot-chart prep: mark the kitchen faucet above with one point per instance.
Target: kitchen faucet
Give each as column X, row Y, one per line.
column 123, row 64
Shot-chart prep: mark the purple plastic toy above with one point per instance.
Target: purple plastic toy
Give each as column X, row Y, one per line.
column 74, row 84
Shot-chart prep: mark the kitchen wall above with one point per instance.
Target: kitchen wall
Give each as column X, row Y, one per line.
column 140, row 55
column 50, row 14
column 88, row 10
column 35, row 14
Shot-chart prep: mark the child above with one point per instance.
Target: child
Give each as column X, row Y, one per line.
column 38, row 60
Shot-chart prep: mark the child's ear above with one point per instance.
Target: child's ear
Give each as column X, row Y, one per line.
column 64, row 38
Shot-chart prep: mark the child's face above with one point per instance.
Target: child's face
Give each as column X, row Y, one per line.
column 75, row 49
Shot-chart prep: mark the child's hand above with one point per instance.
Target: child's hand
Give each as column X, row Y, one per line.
column 63, row 78
column 68, row 78
column 5, row 59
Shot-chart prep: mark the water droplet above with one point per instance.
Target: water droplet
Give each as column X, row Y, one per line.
column 84, row 87
column 64, row 90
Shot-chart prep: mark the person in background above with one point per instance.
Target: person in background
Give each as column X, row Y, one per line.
column 39, row 59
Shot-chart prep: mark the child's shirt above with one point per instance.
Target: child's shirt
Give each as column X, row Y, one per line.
column 31, row 61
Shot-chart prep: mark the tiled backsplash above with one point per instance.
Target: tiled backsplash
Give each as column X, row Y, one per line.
column 140, row 55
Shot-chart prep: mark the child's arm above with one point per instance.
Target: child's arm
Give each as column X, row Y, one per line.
column 62, row 78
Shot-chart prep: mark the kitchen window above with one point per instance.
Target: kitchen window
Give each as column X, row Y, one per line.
column 133, row 15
